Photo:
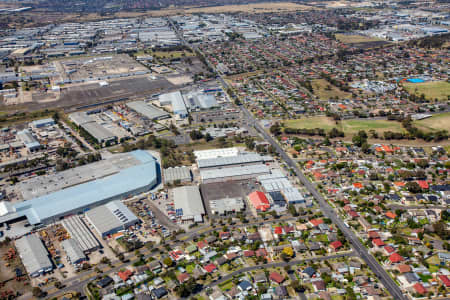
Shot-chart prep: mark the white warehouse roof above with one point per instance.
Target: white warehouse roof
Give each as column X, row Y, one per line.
column 73, row 251
column 234, row 171
column 188, row 202
column 33, row 254
column 79, row 231
column 231, row 160
column 215, row 153
column 111, row 216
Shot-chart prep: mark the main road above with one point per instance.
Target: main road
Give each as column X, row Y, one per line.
column 327, row 210
column 330, row 213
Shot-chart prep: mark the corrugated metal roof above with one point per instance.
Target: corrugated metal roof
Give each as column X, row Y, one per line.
column 189, row 200
column 79, row 231
column 215, row 153
column 110, row 216
column 178, row 173
column 78, row 197
column 73, row 250
column 147, row 110
column 234, row 171
column 99, row 132
column 231, row 160
column 33, row 254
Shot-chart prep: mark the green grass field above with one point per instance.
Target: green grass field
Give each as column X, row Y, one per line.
column 353, row 126
column 436, row 122
column 350, row 127
column 432, row 90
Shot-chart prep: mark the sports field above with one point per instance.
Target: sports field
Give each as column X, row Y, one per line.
column 350, row 127
column 432, row 90
column 435, row 123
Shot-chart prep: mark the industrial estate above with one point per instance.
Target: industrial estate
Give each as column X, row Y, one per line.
column 224, row 150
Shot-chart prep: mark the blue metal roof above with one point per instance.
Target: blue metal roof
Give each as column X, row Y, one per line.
column 80, row 196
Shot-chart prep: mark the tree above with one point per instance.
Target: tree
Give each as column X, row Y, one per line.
column 168, row 261
column 275, row 129
column 58, row 284
column 37, row 292
column 360, row 138
column 413, row 187
column 105, row 260
column 288, row 251
column 208, row 137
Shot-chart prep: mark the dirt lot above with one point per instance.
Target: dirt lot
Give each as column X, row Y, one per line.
column 8, row 274
column 88, row 94
column 351, row 39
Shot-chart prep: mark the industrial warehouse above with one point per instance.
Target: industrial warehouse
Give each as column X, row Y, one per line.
column 111, row 218
column 188, row 203
column 177, row 174
column 141, row 175
column 34, row 256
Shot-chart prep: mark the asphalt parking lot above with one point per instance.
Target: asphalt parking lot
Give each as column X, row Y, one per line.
column 230, row 189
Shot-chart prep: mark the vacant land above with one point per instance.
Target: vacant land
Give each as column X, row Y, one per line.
column 354, row 39
column 10, row 262
column 325, row 91
column 311, row 123
column 171, row 54
column 435, row 123
column 251, row 8
column 432, row 90
column 350, row 127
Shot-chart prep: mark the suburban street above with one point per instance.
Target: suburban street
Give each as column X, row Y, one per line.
column 277, row 265
column 330, row 213
column 327, row 210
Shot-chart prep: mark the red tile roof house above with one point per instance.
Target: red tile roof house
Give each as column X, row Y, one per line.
column 353, row 214
column 278, row 230
column 210, row 268
column 276, row 277
column 261, row 252
column 334, row 246
column 378, row 244
column 391, row 215
column 230, row 256
column 395, row 258
column 203, row 247
column 445, row 280
column 125, row 275
column 404, row 268
column 183, row 277
column 319, row 285
column 315, row 222
column 259, row 201
column 373, row 234
column 249, row 253
column 224, row 235
column 419, row 288
column 388, row 250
